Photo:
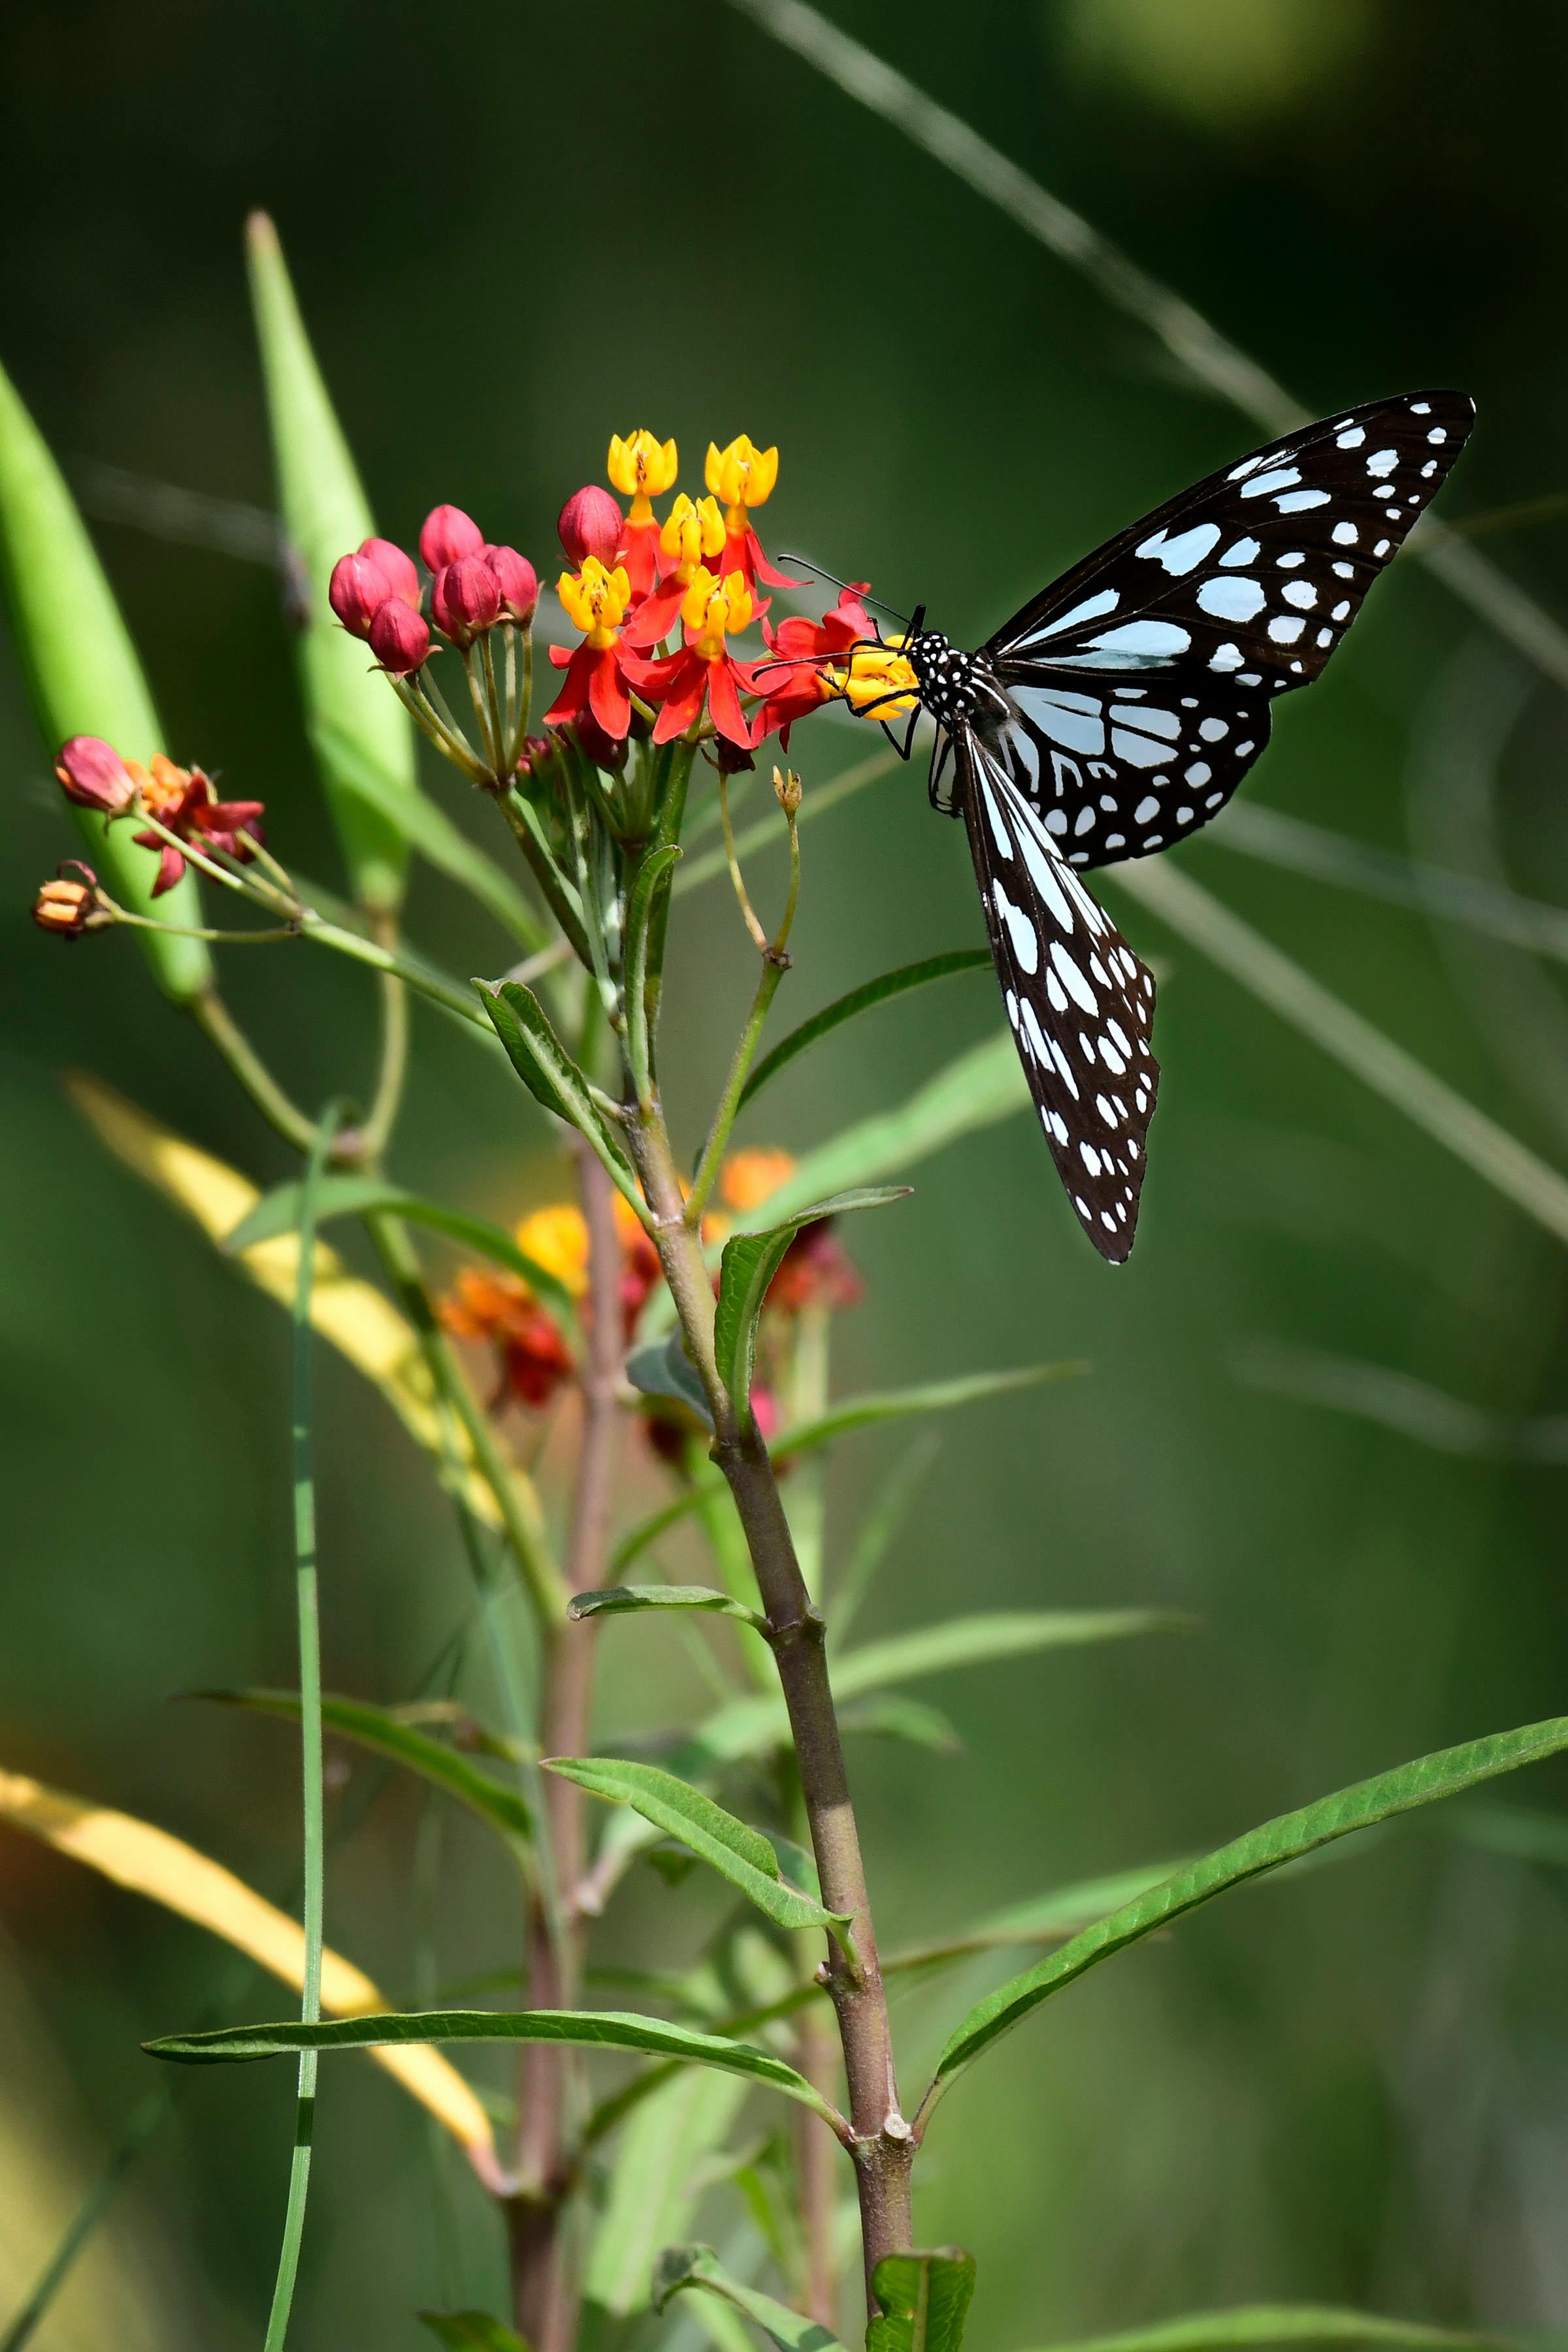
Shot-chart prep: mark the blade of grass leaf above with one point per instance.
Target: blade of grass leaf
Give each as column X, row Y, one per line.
column 1197, row 346
column 1290, row 992
column 1261, row 2323
column 1283, row 1840
column 859, row 1000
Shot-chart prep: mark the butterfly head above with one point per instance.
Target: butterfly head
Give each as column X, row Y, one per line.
column 956, row 688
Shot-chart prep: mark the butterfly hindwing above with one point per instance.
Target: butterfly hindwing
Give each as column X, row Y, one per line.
column 1080, row 1003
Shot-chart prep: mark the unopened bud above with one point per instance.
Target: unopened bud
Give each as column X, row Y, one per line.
column 92, row 774
column 465, row 600
column 399, row 638
column 72, row 903
column 787, row 789
column 397, row 568
column 448, row 536
column 534, row 759
column 357, row 590
column 517, row 580
column 591, row 523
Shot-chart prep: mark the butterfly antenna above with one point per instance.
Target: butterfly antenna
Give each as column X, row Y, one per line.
column 833, row 580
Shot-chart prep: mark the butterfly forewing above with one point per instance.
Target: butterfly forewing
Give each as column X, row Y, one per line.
column 1080, row 1003
column 1142, row 678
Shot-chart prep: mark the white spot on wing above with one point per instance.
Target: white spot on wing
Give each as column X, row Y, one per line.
column 1186, row 551
column 1231, row 600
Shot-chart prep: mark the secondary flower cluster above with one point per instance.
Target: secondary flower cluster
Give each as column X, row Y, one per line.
column 181, row 801
column 377, row 593
column 534, row 1360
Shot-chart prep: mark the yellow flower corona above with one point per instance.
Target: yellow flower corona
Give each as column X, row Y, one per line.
column 741, row 475
column 641, row 468
column 876, row 671
column 595, row 599
column 714, row 607
column 557, row 1240
column 692, row 531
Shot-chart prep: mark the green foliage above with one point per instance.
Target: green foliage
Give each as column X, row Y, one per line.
column 859, row 1000
column 1261, row 2323
column 650, row 2195
column 630, row 1599
column 737, row 1853
column 649, row 896
column 681, row 2267
column 1284, row 1839
column 380, row 1730
column 472, row 2331
column 584, row 2028
column 356, row 726
column 83, row 677
column 663, row 1368
column 750, row 1261
column 552, row 1076
column 925, row 2299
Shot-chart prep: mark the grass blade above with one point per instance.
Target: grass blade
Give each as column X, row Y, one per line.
column 1261, row 2323
column 1284, row 1839
column 859, row 1000
column 1282, row 984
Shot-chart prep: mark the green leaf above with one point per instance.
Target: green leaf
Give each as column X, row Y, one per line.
column 878, row 1529
column 83, row 677
column 579, row 2029
column 925, row 2299
column 859, row 1000
column 980, row 1087
column 1283, row 1840
column 681, row 2267
column 426, row 826
column 377, row 1728
column 749, row 1263
column 649, row 891
column 1262, row 2324
column 325, row 514
column 472, row 2331
column 749, row 1725
column 277, row 1212
column 737, row 1853
column 892, row 1715
column 650, row 2197
column 663, row 1368
column 625, row 1600
column 1039, row 1920
column 550, row 1075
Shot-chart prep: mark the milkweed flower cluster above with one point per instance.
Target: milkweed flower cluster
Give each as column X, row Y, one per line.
column 182, row 801
column 473, row 585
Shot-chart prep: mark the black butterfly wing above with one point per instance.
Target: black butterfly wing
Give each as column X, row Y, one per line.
column 1080, row 1004
column 1143, row 678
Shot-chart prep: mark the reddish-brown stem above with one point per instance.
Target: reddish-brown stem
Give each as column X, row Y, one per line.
column 883, row 2142
column 544, row 2296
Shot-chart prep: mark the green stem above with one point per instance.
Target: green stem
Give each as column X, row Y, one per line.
column 734, row 1085
column 525, row 702
column 308, row 1606
column 377, row 1128
column 216, row 1022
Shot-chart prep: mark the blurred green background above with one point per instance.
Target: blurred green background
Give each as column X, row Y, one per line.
column 515, row 230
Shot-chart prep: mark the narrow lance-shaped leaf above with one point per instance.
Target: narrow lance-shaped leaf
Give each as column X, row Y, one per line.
column 736, row 1851
column 550, row 1075
column 1284, row 1839
column 872, row 992
column 581, row 2028
column 651, row 2194
column 377, row 1728
column 325, row 513
column 681, row 2267
column 83, row 677
column 925, row 2300
column 649, row 891
column 1262, row 2324
column 277, row 1212
column 750, row 1261
column 632, row 1599
column 472, row 2331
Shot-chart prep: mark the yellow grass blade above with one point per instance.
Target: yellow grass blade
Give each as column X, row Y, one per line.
column 163, row 1868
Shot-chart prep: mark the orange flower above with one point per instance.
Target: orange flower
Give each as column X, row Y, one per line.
column 501, row 1309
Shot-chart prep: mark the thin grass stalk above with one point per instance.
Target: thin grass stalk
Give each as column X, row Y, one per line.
column 310, row 1632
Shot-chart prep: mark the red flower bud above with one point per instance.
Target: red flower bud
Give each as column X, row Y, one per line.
column 357, row 590
column 447, row 536
column 399, row 638
column 396, row 568
column 93, row 775
column 591, row 523
column 465, row 600
column 516, row 578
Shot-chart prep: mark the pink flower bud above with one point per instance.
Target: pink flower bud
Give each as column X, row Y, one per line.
column 448, row 535
column 399, row 637
column 517, row 580
column 93, row 775
column 357, row 590
column 396, row 568
column 591, row 523
column 465, row 600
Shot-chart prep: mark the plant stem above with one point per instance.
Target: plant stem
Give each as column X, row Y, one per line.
column 543, row 2292
column 217, row 1023
column 884, row 2147
column 774, row 967
column 376, row 1131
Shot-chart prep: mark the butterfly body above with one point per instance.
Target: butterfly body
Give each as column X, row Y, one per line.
column 1118, row 711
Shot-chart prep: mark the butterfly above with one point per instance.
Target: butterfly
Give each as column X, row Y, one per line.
column 1119, row 711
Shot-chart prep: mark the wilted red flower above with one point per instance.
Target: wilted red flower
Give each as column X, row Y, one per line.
column 72, row 904
column 465, row 599
column 183, row 801
column 92, row 774
column 591, row 523
column 447, row 536
column 517, row 581
column 400, row 639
